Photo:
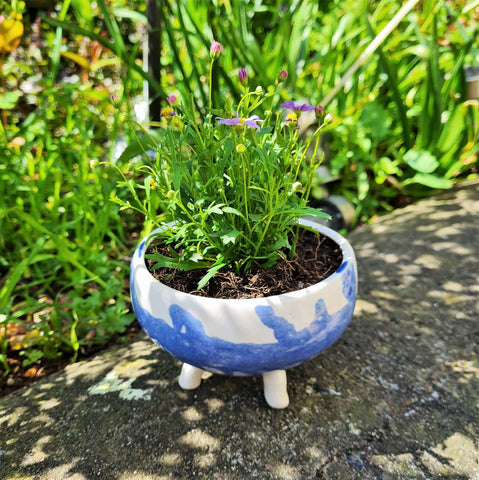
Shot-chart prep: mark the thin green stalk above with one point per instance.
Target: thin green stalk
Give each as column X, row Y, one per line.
column 57, row 43
column 200, row 34
column 210, row 103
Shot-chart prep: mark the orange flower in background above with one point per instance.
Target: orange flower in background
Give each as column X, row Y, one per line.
column 11, row 31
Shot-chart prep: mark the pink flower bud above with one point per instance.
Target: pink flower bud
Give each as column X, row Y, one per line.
column 283, row 75
column 115, row 100
column 215, row 49
column 172, row 100
column 318, row 111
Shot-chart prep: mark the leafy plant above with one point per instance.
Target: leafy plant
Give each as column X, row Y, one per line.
column 62, row 287
column 227, row 182
column 407, row 126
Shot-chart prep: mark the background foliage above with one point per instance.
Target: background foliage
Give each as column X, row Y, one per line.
column 407, row 128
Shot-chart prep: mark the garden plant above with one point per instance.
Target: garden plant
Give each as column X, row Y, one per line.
column 226, row 187
column 405, row 128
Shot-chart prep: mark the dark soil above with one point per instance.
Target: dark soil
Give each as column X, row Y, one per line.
column 317, row 257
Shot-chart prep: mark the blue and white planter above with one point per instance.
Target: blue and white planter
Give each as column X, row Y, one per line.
column 259, row 336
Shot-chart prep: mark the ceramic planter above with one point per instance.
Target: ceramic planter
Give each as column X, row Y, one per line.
column 260, row 336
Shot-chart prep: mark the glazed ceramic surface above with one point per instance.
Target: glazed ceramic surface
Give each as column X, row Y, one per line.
column 248, row 336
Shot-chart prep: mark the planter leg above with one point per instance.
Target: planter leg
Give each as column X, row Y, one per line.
column 275, row 391
column 190, row 377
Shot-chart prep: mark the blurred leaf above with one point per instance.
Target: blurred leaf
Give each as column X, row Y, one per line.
column 377, row 120
column 32, row 357
column 452, row 131
column 388, row 166
column 16, row 272
column 230, row 236
column 362, row 182
column 429, row 180
column 78, row 59
column 84, row 9
column 104, row 62
column 8, row 100
column 421, row 161
column 131, row 14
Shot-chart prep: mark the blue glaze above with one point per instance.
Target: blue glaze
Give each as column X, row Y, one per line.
column 187, row 341
column 141, row 248
column 342, row 267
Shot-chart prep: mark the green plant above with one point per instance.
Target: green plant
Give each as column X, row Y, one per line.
column 60, row 237
column 223, row 186
column 406, row 126
column 62, row 287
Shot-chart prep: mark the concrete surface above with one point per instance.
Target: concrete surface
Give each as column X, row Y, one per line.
column 397, row 397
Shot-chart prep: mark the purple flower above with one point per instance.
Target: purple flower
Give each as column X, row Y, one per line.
column 251, row 122
column 243, row 75
column 297, row 107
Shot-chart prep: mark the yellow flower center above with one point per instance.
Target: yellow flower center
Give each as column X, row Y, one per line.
column 240, row 148
column 292, row 117
column 166, row 112
column 241, row 120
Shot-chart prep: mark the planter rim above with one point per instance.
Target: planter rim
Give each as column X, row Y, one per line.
column 346, row 248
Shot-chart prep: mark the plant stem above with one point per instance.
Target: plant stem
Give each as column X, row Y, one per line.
column 210, row 103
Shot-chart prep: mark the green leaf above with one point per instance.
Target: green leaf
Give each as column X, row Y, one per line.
column 388, row 166
column 421, row 161
column 452, row 131
column 280, row 243
column 230, row 236
column 362, row 182
column 376, row 119
column 178, row 172
column 8, row 100
column 232, row 210
column 211, row 273
column 174, row 263
column 131, row 14
column 15, row 274
column 83, row 9
column 196, row 257
column 313, row 212
column 162, row 261
column 215, row 209
column 431, row 181
column 32, row 357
